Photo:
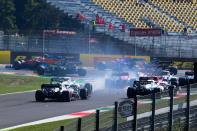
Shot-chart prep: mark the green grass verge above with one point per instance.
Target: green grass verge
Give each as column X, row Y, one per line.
column 17, row 83
column 164, row 103
column 51, row 126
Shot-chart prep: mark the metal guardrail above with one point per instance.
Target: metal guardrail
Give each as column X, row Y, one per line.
column 163, row 46
column 157, row 118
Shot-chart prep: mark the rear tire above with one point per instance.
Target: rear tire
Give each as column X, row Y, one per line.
column 182, row 81
column 39, row 96
column 88, row 86
column 40, row 70
column 131, row 92
column 83, row 94
column 65, row 96
column 17, row 65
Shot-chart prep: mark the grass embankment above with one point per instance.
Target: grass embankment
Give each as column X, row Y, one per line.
column 45, row 127
column 15, row 83
column 164, row 103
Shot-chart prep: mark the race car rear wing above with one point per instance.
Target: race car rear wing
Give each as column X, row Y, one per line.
column 155, row 78
column 50, row 86
column 144, row 82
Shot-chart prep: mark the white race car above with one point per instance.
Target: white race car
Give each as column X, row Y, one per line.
column 144, row 88
column 64, row 89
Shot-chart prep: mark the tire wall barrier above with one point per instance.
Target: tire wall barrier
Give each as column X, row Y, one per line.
column 90, row 59
column 5, row 57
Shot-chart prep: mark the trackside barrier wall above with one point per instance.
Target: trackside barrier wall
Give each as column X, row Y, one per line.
column 91, row 59
column 160, row 111
column 5, row 57
column 29, row 55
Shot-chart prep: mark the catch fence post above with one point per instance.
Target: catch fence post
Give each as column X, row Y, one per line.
column 116, row 116
column 135, row 114
column 61, row 128
column 79, row 124
column 97, row 119
column 153, row 112
column 171, row 93
column 188, row 106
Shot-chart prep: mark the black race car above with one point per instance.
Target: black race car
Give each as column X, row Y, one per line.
column 61, row 69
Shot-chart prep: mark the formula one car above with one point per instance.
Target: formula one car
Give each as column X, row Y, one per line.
column 64, row 89
column 119, row 64
column 119, row 80
column 35, row 62
column 61, row 69
column 144, row 88
column 170, row 78
column 149, row 85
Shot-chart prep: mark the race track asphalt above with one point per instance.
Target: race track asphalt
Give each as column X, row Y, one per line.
column 22, row 108
column 16, row 109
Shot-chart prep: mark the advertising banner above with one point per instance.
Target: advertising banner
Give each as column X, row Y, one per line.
column 145, row 32
column 4, row 57
column 91, row 59
column 28, row 55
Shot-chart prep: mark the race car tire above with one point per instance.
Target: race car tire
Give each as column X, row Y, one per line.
column 88, row 86
column 65, row 96
column 17, row 65
column 40, row 70
column 191, row 81
column 39, row 96
column 83, row 94
column 182, row 81
column 131, row 92
column 82, row 72
column 156, row 90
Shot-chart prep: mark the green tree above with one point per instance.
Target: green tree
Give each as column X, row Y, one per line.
column 30, row 16
column 7, row 16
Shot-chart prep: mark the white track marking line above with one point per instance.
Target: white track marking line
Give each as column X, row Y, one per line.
column 17, row 92
column 57, row 118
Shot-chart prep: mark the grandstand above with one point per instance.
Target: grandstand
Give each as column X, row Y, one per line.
column 177, row 18
column 168, row 15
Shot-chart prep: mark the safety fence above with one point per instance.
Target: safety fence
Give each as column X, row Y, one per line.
column 171, row 110
column 79, row 43
column 180, row 46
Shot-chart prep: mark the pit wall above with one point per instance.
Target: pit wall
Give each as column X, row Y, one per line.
column 89, row 60
column 5, row 57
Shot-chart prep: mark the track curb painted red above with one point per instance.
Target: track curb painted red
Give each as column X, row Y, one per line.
column 62, row 117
